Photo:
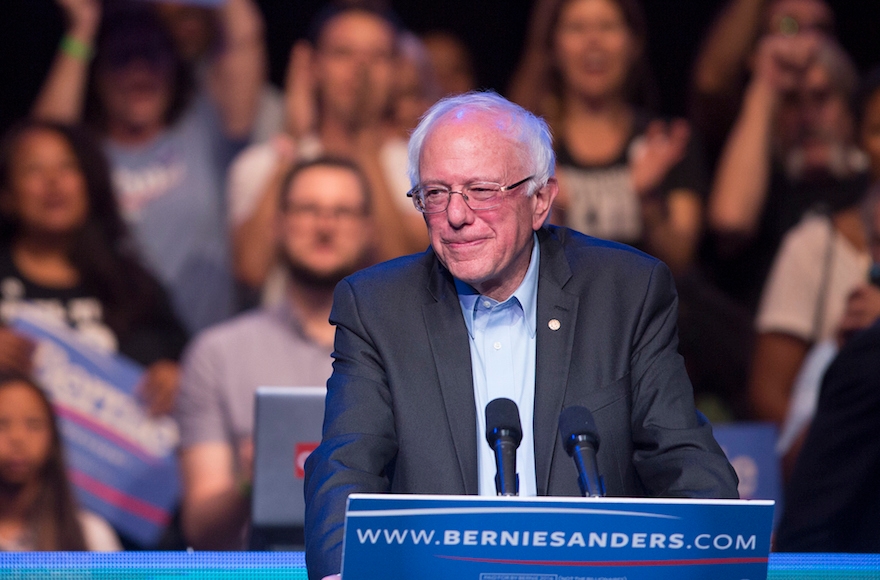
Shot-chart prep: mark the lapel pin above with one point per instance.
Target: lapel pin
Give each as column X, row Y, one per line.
column 554, row 324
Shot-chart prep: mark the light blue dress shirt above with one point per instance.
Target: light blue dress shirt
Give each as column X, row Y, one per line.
column 502, row 344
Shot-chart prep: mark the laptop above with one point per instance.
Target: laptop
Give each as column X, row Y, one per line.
column 287, row 428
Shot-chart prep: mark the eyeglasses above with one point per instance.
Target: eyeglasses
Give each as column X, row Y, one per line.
column 434, row 198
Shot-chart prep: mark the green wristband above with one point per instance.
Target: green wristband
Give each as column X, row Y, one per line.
column 76, row 49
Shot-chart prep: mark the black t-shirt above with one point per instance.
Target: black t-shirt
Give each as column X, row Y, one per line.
column 740, row 270
column 601, row 200
column 153, row 336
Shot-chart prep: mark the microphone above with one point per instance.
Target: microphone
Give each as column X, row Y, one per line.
column 504, row 433
column 581, row 439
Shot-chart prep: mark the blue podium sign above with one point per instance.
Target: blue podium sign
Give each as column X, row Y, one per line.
column 397, row 537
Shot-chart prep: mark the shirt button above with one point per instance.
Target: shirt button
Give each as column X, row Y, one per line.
column 497, row 346
column 486, row 304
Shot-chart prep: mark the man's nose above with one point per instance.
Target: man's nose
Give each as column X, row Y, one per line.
column 458, row 212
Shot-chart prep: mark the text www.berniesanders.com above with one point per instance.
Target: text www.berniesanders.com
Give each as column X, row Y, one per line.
column 555, row 539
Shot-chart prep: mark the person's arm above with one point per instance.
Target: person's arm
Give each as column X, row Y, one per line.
column 786, row 321
column 743, row 173
column 359, row 438
column 216, row 502
column 530, row 80
column 214, row 506
column 400, row 232
column 724, row 53
column 254, row 235
column 62, row 96
column 775, row 364
column 672, row 221
column 674, row 452
column 300, row 98
column 672, row 229
column 739, row 192
column 239, row 72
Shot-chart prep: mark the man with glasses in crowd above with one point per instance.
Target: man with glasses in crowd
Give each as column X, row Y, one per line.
column 501, row 305
column 323, row 233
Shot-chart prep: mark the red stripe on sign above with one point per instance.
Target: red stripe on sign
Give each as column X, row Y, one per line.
column 581, row 563
column 112, row 436
column 119, row 498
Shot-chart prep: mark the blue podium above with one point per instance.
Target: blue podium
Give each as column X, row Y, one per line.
column 397, row 537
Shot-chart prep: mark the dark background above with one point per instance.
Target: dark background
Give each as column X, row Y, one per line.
column 493, row 29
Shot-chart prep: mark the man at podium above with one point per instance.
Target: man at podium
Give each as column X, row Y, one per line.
column 501, row 305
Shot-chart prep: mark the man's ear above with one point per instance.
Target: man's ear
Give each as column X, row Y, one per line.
column 542, row 202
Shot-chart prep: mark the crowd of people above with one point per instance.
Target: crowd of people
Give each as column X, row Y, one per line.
column 165, row 202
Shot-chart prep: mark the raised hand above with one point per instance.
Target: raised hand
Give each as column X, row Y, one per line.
column 300, row 100
column 781, row 60
column 158, row 389
column 660, row 148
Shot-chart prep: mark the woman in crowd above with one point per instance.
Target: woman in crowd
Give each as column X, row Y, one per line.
column 624, row 174
column 64, row 250
column 168, row 147
column 37, row 509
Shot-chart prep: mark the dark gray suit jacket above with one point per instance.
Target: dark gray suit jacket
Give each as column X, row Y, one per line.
column 832, row 501
column 400, row 412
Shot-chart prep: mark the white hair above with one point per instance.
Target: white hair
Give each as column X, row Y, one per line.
column 528, row 129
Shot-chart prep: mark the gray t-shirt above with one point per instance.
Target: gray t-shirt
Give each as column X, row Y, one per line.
column 170, row 192
column 224, row 365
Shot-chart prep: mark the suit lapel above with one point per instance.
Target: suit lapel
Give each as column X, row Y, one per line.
column 452, row 357
column 556, row 317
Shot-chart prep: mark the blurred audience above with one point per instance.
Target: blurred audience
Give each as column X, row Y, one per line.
column 64, row 249
column 340, row 86
column 451, row 62
column 176, row 91
column 323, row 231
column 624, row 174
column 201, row 41
column 792, row 149
column 817, row 291
column 168, row 151
column 722, row 67
column 415, row 85
column 38, row 511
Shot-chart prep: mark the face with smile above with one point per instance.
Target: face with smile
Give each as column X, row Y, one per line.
column 46, row 190
column 354, row 65
column 488, row 249
column 594, row 47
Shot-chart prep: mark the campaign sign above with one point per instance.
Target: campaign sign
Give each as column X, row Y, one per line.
column 120, row 460
column 398, row 537
column 751, row 450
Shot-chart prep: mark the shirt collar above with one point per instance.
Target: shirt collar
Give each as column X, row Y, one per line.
column 526, row 294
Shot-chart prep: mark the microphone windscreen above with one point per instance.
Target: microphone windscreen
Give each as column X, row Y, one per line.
column 502, row 415
column 576, row 423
